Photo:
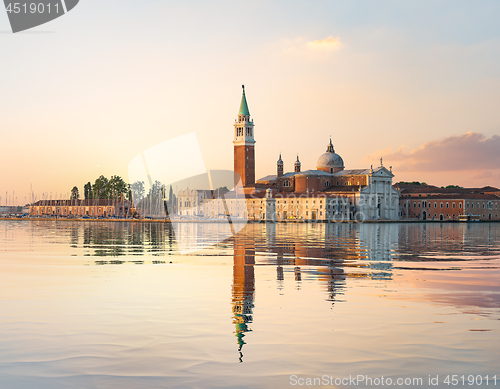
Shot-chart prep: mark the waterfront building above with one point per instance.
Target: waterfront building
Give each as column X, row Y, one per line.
column 81, row 208
column 14, row 210
column 189, row 201
column 426, row 202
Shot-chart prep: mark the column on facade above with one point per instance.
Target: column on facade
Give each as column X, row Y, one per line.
column 385, row 199
column 370, row 205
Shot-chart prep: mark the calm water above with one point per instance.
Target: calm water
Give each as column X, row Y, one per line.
column 115, row 305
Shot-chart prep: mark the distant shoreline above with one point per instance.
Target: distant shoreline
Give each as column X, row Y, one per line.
column 235, row 221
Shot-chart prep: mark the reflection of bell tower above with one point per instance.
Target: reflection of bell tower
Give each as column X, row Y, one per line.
column 243, row 291
column 244, row 153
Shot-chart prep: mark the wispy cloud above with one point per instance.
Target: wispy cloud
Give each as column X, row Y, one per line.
column 470, row 151
column 312, row 49
column 328, row 44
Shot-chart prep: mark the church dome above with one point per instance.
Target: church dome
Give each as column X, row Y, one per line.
column 330, row 161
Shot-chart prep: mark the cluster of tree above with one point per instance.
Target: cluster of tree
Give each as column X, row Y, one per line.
column 103, row 188
column 425, row 184
column 411, row 183
column 151, row 204
column 156, row 202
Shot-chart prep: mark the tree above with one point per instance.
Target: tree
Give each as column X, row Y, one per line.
column 75, row 195
column 116, row 187
column 411, row 183
column 129, row 193
column 137, row 189
column 87, row 190
column 174, row 205
column 152, row 204
column 100, row 189
column 171, row 202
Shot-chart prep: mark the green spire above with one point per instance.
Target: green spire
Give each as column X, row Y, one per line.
column 244, row 106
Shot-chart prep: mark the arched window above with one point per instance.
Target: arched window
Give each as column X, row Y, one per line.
column 286, row 183
column 327, row 183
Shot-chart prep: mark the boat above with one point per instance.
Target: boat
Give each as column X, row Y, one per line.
column 469, row 218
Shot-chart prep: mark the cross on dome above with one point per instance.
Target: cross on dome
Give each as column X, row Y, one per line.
column 330, row 148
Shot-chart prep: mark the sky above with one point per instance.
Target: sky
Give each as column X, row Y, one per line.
column 417, row 83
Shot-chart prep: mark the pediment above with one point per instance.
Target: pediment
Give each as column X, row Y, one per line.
column 382, row 172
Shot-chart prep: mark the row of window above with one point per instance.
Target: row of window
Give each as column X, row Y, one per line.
column 425, row 205
column 241, row 131
column 447, row 215
column 287, row 183
column 333, row 201
column 490, row 205
column 435, row 215
column 72, row 210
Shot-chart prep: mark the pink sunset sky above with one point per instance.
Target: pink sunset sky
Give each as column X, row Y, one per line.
column 415, row 83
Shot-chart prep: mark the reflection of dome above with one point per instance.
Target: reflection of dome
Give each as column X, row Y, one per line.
column 330, row 161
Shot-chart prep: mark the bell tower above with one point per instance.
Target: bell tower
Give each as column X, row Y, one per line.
column 279, row 166
column 244, row 141
column 297, row 165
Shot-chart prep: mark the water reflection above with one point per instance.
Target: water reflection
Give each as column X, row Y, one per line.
column 387, row 297
column 330, row 254
column 364, row 245
column 448, row 240
column 243, row 290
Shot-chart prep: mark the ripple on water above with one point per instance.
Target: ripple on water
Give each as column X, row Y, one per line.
column 89, row 304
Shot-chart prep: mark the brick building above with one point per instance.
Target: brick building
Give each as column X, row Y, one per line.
column 82, row 208
column 425, row 202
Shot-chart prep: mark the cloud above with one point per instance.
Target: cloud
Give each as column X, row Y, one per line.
column 328, row 44
column 469, row 160
column 467, row 152
column 314, row 49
